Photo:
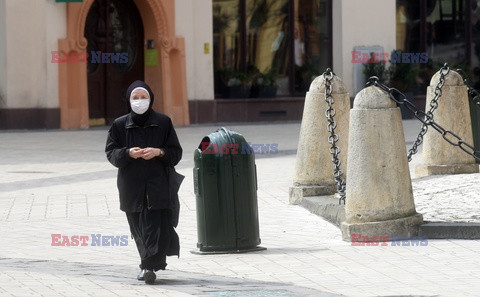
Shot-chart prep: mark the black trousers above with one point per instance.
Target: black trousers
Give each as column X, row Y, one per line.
column 154, row 236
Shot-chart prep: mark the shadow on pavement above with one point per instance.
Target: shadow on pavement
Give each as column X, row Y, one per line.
column 192, row 283
column 57, row 180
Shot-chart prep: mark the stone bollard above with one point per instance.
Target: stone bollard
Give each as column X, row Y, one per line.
column 313, row 174
column 379, row 199
column 453, row 114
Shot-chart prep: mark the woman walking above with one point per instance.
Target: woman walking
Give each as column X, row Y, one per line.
column 144, row 147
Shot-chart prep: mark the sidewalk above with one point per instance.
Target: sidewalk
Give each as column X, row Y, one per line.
column 57, row 182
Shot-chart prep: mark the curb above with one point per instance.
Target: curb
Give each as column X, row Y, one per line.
column 326, row 207
column 329, row 209
column 450, row 230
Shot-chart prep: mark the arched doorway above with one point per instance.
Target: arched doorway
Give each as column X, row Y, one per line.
column 167, row 78
column 114, row 32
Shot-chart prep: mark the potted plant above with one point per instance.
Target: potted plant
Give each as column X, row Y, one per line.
column 401, row 76
column 264, row 84
column 237, row 84
column 304, row 75
column 377, row 69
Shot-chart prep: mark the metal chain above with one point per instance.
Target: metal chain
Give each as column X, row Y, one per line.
column 425, row 118
column 473, row 94
column 433, row 106
column 333, row 138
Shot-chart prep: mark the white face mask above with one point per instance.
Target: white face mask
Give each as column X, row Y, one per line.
column 140, row 106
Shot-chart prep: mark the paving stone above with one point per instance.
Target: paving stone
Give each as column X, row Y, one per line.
column 43, row 194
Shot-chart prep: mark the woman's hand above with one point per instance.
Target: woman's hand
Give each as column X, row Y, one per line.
column 135, row 152
column 150, row 153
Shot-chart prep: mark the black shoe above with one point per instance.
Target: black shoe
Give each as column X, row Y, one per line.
column 141, row 274
column 149, row 276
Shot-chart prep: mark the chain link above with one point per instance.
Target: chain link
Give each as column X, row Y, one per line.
column 425, row 118
column 433, row 106
column 333, row 138
column 473, row 94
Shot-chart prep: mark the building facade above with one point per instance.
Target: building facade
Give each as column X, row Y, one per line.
column 66, row 63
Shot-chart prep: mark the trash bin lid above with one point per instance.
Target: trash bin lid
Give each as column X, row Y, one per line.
column 223, row 141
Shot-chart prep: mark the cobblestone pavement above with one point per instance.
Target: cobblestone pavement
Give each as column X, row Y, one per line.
column 57, row 182
column 457, row 200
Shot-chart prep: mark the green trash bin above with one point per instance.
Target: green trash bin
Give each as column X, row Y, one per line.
column 225, row 184
column 475, row 117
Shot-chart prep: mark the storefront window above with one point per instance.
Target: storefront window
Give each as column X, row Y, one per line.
column 226, row 34
column 475, row 44
column 268, row 35
column 409, row 24
column 282, row 42
column 447, row 30
column 312, row 40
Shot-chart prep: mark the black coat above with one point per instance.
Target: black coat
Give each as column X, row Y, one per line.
column 139, row 178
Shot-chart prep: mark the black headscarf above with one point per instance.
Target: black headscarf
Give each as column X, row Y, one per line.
column 139, row 119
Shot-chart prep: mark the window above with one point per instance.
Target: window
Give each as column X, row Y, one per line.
column 288, row 41
column 448, row 30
